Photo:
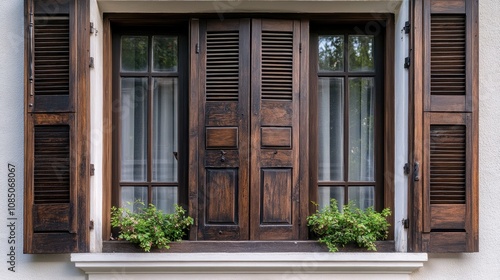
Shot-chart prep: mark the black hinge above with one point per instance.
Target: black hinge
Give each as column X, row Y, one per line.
column 197, row 48
column 91, row 224
column 407, row 27
column 91, row 62
column 92, row 169
column 406, row 223
column 406, row 168
column 93, row 30
column 300, row 47
column 416, row 171
column 407, row 62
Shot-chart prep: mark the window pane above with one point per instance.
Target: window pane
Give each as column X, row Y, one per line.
column 164, row 198
column 361, row 129
column 165, row 129
column 361, row 53
column 363, row 197
column 325, row 194
column 330, row 129
column 130, row 195
column 164, row 54
column 134, row 54
column 331, row 53
column 134, row 119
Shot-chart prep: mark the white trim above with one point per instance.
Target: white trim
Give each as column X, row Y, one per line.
column 97, row 266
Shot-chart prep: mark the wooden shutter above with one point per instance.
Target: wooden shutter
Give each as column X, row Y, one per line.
column 223, row 125
column 275, row 192
column 56, row 147
column 245, row 126
column 446, row 130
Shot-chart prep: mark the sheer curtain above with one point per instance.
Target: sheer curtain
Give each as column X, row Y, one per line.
column 330, row 137
column 361, row 140
column 165, row 133
column 134, row 121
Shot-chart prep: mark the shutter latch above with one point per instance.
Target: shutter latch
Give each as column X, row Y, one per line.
column 416, row 171
column 92, row 169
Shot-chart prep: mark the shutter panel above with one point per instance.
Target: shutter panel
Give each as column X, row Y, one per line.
column 56, row 212
column 446, row 128
column 275, row 130
column 223, row 108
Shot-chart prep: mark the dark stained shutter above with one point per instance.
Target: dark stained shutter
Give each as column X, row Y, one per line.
column 245, row 93
column 446, row 131
column 223, row 126
column 274, row 131
column 56, row 154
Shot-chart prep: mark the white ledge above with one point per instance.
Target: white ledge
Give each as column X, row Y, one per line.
column 248, row 263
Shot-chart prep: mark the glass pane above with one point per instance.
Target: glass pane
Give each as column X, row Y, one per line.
column 325, row 194
column 134, row 119
column 164, row 198
column 134, row 54
column 130, row 195
column 363, row 197
column 331, row 53
column 164, row 54
column 330, row 129
column 361, row 129
column 361, row 53
column 165, row 129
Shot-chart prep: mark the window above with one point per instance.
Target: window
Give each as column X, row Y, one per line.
column 149, row 91
column 279, row 164
column 349, row 67
column 247, row 150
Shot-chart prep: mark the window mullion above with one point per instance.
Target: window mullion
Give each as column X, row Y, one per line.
column 346, row 120
column 150, row 121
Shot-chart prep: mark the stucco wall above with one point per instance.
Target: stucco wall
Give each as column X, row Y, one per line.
column 482, row 265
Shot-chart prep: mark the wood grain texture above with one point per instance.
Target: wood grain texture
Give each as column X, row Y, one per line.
column 221, row 195
column 276, row 137
column 276, row 191
column 448, row 6
column 221, row 246
column 221, row 137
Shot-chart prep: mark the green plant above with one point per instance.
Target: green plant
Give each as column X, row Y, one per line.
column 151, row 227
column 352, row 225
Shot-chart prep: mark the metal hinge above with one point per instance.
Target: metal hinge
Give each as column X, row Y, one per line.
column 92, row 169
column 91, row 224
column 300, row 47
column 197, row 48
column 93, row 30
column 406, row 223
column 416, row 171
column 406, row 168
column 407, row 27
column 407, row 62
column 91, row 62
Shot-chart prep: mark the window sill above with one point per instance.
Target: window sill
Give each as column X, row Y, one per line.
column 316, row 265
column 241, row 247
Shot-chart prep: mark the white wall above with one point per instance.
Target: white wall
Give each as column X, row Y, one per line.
column 482, row 265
